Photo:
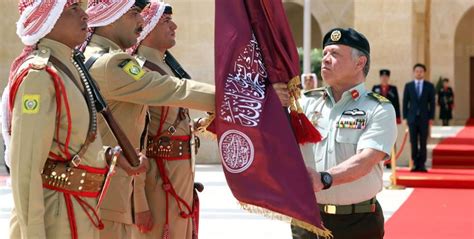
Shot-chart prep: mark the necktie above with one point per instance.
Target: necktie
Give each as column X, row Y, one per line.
column 418, row 89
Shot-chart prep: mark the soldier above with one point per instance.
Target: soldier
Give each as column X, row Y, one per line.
column 445, row 102
column 358, row 129
column 388, row 91
column 58, row 161
column 128, row 88
column 172, row 168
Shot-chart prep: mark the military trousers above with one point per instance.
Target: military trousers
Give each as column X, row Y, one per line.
column 352, row 226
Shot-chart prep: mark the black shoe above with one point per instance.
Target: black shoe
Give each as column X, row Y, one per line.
column 414, row 170
column 423, row 170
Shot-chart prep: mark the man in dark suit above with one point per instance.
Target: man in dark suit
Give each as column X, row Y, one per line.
column 418, row 110
column 388, row 91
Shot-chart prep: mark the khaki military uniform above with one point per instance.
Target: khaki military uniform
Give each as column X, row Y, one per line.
column 39, row 212
column 180, row 172
column 359, row 120
column 128, row 89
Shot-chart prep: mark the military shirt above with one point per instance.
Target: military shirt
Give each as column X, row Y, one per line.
column 359, row 120
column 39, row 212
column 128, row 89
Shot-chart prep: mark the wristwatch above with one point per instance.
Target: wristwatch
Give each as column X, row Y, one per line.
column 326, row 179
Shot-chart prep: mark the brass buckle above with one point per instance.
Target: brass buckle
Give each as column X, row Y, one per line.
column 330, row 209
column 76, row 160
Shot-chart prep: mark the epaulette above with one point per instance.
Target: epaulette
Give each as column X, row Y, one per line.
column 378, row 97
column 40, row 58
column 141, row 60
column 318, row 92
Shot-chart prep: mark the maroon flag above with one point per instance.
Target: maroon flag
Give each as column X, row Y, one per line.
column 261, row 158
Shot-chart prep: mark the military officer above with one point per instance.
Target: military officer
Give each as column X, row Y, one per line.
column 358, row 129
column 58, row 161
column 388, row 91
column 129, row 88
column 169, row 126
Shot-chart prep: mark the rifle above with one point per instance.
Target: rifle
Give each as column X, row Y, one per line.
column 101, row 106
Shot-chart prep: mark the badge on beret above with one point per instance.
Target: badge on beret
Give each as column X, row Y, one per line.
column 336, row 35
column 133, row 69
column 31, row 104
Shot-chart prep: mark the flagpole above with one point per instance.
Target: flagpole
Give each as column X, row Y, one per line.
column 307, row 37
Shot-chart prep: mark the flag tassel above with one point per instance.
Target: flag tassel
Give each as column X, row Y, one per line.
column 303, row 129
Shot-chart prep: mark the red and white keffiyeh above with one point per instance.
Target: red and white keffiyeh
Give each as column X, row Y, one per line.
column 38, row 17
column 105, row 12
column 151, row 16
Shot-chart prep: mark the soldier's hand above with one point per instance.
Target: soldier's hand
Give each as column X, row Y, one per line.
column 315, row 179
column 133, row 171
column 144, row 221
column 282, row 92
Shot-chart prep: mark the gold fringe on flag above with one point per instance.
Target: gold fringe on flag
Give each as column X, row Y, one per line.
column 321, row 232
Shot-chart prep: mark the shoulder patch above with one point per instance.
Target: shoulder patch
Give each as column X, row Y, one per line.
column 132, row 69
column 40, row 58
column 30, row 104
column 378, row 97
column 315, row 92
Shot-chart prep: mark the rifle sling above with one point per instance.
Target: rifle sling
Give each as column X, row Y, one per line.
column 90, row 135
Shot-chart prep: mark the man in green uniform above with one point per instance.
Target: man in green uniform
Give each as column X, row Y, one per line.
column 358, row 129
column 128, row 89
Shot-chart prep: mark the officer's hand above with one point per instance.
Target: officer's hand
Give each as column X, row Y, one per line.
column 282, row 92
column 315, row 179
column 129, row 169
column 144, row 221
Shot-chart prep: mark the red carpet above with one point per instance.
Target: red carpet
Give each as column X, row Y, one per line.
column 434, row 214
column 457, row 151
column 437, row 178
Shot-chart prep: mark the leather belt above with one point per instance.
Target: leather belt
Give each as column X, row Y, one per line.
column 368, row 206
column 81, row 181
column 169, row 147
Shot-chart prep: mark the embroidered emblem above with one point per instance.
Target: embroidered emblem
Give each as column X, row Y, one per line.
column 134, row 70
column 31, row 104
column 245, row 87
column 354, row 112
column 237, row 151
column 336, row 35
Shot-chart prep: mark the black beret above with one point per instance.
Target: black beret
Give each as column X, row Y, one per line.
column 349, row 37
column 168, row 10
column 384, row 72
column 142, row 3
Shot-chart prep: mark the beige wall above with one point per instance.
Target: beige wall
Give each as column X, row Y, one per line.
column 11, row 44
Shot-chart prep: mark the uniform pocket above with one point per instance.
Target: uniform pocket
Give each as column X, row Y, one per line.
column 348, row 135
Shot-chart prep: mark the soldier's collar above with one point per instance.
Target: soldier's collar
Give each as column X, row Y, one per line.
column 355, row 92
column 105, row 43
column 58, row 49
column 151, row 54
